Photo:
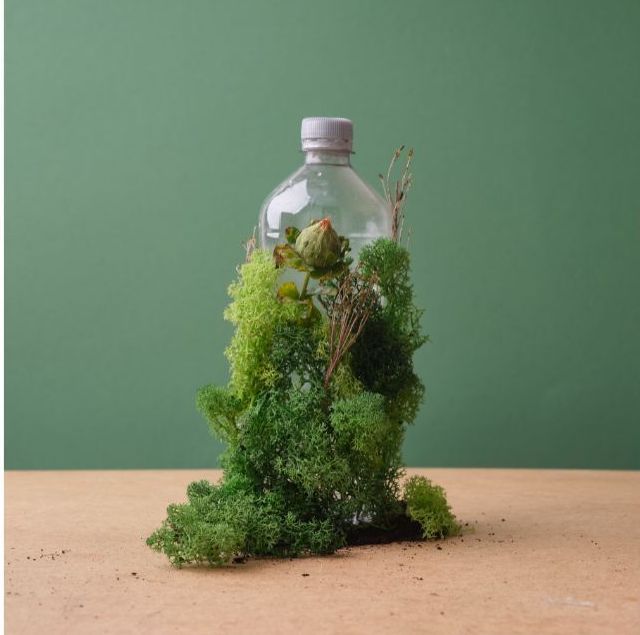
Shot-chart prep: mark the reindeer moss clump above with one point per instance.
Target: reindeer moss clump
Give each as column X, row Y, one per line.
column 321, row 390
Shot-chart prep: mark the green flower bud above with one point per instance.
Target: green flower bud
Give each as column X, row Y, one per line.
column 319, row 245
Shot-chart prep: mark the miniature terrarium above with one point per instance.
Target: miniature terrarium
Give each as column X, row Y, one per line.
column 322, row 383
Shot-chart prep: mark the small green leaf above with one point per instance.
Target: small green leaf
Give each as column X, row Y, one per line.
column 286, row 256
column 291, row 233
column 288, row 290
column 330, row 272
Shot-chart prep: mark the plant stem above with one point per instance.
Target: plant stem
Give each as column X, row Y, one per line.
column 303, row 293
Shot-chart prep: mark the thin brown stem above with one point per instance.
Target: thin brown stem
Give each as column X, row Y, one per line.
column 348, row 313
column 396, row 194
column 250, row 245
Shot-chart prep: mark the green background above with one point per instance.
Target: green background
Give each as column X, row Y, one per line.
column 141, row 138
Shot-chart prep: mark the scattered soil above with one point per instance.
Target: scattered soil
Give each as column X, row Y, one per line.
column 536, row 585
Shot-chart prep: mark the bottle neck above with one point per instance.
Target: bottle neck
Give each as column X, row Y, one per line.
column 327, row 157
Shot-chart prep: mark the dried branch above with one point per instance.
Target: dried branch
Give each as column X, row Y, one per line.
column 250, row 245
column 348, row 312
column 396, row 194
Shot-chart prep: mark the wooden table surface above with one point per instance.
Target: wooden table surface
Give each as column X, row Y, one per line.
column 543, row 552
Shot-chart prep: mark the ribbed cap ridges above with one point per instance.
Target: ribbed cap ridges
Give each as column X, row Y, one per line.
column 330, row 133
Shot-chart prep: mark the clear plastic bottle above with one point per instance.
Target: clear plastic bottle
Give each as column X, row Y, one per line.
column 325, row 186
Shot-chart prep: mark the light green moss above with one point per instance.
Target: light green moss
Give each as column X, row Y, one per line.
column 427, row 503
column 255, row 311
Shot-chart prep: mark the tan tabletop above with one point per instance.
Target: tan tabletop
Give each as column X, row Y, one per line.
column 543, row 552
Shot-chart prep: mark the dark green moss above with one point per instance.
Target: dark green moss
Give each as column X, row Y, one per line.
column 382, row 358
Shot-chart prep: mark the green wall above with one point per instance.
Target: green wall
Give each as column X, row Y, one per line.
column 141, row 137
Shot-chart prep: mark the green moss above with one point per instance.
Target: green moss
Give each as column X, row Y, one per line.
column 382, row 358
column 427, row 504
column 344, row 383
column 221, row 408
column 304, row 459
column 220, row 523
column 296, row 355
column 255, row 311
column 211, row 527
column 363, row 430
column 286, row 439
column 391, row 263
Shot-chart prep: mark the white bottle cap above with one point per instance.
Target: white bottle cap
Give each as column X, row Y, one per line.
column 326, row 133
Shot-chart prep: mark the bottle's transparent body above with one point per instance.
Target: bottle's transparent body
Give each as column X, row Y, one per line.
column 325, row 186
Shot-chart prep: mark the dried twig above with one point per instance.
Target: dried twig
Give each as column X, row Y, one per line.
column 348, row 312
column 396, row 194
column 250, row 245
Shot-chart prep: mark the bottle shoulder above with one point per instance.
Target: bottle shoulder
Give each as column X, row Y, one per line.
column 325, row 185
column 315, row 191
column 289, row 189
